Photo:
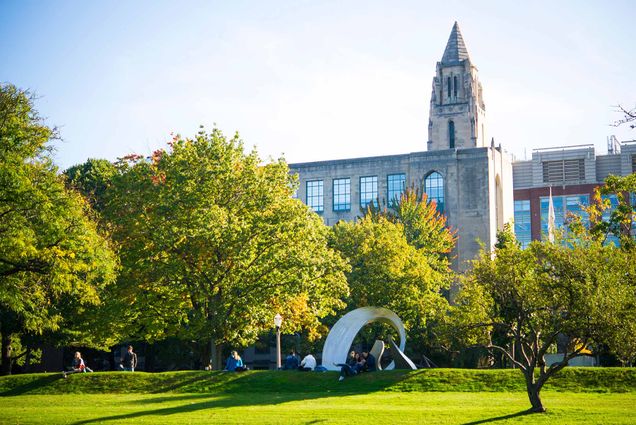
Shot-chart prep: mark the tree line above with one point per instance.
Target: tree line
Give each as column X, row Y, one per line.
column 203, row 241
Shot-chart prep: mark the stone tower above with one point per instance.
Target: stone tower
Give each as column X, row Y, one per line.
column 457, row 114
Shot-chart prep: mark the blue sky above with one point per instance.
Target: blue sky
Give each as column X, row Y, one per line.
column 314, row 80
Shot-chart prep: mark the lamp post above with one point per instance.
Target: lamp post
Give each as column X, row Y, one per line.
column 278, row 320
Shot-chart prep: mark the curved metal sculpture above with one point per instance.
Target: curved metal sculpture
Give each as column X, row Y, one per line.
column 345, row 330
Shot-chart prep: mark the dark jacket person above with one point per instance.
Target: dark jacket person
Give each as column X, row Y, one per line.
column 129, row 360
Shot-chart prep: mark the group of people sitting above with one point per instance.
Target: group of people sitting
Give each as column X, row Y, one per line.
column 292, row 362
column 357, row 363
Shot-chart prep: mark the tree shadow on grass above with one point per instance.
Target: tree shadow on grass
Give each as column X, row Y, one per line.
column 500, row 418
column 216, row 401
column 31, row 385
column 181, row 383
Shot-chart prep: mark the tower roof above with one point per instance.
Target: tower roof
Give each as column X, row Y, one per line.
column 455, row 48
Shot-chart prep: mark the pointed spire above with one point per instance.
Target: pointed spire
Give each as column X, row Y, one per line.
column 455, row 48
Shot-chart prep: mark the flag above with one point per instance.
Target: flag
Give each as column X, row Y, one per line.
column 551, row 218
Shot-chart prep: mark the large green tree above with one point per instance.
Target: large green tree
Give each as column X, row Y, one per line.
column 389, row 272
column 53, row 261
column 580, row 293
column 213, row 245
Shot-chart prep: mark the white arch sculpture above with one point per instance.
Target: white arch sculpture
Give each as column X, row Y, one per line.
column 345, row 330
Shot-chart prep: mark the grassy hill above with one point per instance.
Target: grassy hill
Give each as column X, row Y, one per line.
column 585, row 380
column 439, row 396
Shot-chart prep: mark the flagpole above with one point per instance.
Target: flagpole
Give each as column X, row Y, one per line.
column 551, row 218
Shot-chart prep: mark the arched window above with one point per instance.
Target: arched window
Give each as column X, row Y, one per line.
column 451, row 134
column 434, row 188
column 448, row 86
column 455, row 85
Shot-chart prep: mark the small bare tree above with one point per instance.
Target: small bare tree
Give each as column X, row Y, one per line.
column 629, row 116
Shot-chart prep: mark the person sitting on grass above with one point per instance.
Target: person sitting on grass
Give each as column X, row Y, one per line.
column 308, row 364
column 235, row 363
column 370, row 364
column 78, row 365
column 355, row 365
column 291, row 361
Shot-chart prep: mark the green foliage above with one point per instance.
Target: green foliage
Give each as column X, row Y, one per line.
column 91, row 179
column 213, row 246
column 621, row 219
column 581, row 291
column 425, row 228
column 389, row 272
column 53, row 261
column 400, row 260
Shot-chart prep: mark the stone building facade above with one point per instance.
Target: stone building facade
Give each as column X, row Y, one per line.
column 470, row 180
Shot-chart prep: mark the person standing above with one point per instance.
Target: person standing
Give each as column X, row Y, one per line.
column 129, row 360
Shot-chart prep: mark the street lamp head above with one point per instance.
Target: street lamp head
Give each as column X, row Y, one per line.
column 278, row 320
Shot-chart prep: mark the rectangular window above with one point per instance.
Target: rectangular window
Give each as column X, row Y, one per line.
column 396, row 184
column 633, row 163
column 611, row 238
column 342, row 194
column 563, row 170
column 523, row 230
column 368, row 191
column 315, row 199
column 562, row 206
column 448, row 83
column 455, row 86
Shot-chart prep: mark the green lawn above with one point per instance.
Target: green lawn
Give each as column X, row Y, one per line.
column 303, row 408
column 441, row 396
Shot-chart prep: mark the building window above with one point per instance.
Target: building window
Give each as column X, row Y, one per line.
column 342, row 194
column 451, row 134
column 368, row 191
column 611, row 238
column 523, row 230
column 434, row 188
column 563, row 205
column 448, row 84
column 396, row 184
column 315, row 192
column 633, row 163
column 563, row 170
column 455, row 86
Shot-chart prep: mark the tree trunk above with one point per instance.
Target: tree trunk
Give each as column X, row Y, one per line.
column 218, row 362
column 205, row 354
column 534, row 389
column 27, row 360
column 6, row 354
